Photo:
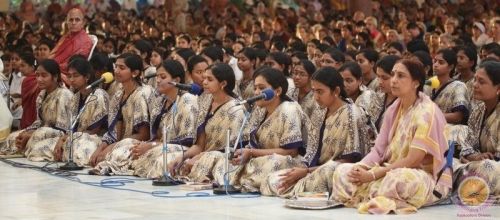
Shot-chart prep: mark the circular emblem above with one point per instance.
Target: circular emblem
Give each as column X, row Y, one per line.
column 473, row 191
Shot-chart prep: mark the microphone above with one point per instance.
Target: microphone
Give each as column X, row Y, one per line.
column 150, row 76
column 191, row 88
column 267, row 94
column 106, row 77
column 433, row 82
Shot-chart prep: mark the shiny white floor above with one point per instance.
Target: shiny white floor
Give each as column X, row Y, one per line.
column 30, row 194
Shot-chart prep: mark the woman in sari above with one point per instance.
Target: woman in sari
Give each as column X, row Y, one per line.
column 338, row 134
column 381, row 101
column 218, row 112
column 302, row 93
column 367, row 58
column 53, row 116
column 404, row 170
column 246, row 62
column 466, row 64
column 93, row 120
column 480, row 156
column 355, row 90
column 277, row 134
column 172, row 109
column 282, row 62
column 451, row 96
column 128, row 119
column 29, row 88
column 196, row 65
column 334, row 58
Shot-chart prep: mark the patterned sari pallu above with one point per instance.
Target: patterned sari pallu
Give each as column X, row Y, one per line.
column 53, row 119
column 124, row 120
column 180, row 118
column 402, row 190
column 342, row 134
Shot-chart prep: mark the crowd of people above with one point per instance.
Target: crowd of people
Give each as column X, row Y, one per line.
column 353, row 112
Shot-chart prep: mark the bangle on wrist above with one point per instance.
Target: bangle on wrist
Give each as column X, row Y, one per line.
column 373, row 174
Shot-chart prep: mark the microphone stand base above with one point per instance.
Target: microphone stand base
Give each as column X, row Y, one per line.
column 222, row 190
column 70, row 165
column 166, row 181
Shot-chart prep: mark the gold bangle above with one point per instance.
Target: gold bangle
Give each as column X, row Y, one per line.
column 373, row 174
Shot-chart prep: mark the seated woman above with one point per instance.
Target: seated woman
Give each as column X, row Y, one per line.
column 128, row 119
column 247, row 59
column 282, row 62
column 382, row 100
column 173, row 109
column 481, row 154
column 355, row 90
column 29, row 88
column 93, row 120
column 451, row 96
column 218, row 112
column 53, row 105
column 367, row 58
column 277, row 134
column 333, row 57
column 338, row 134
column 302, row 93
column 403, row 171
column 196, row 65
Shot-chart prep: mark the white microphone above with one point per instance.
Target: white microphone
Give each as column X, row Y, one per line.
column 150, row 76
column 266, row 94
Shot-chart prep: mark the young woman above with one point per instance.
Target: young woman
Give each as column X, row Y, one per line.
column 334, row 58
column 246, row 62
column 451, row 96
column 128, row 119
column 282, row 62
column 29, row 89
column 218, row 112
column 381, row 101
column 196, row 66
column 42, row 50
column 53, row 114
column 466, row 65
column 157, row 56
column 338, row 134
column 144, row 49
column 302, row 93
column 277, row 132
column 355, row 90
column 174, row 109
column 367, row 58
column 402, row 172
column 93, row 120
column 480, row 153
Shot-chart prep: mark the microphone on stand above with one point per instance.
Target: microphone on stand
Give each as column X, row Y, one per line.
column 191, row 88
column 267, row 94
column 433, row 82
column 227, row 188
column 166, row 179
column 106, row 77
